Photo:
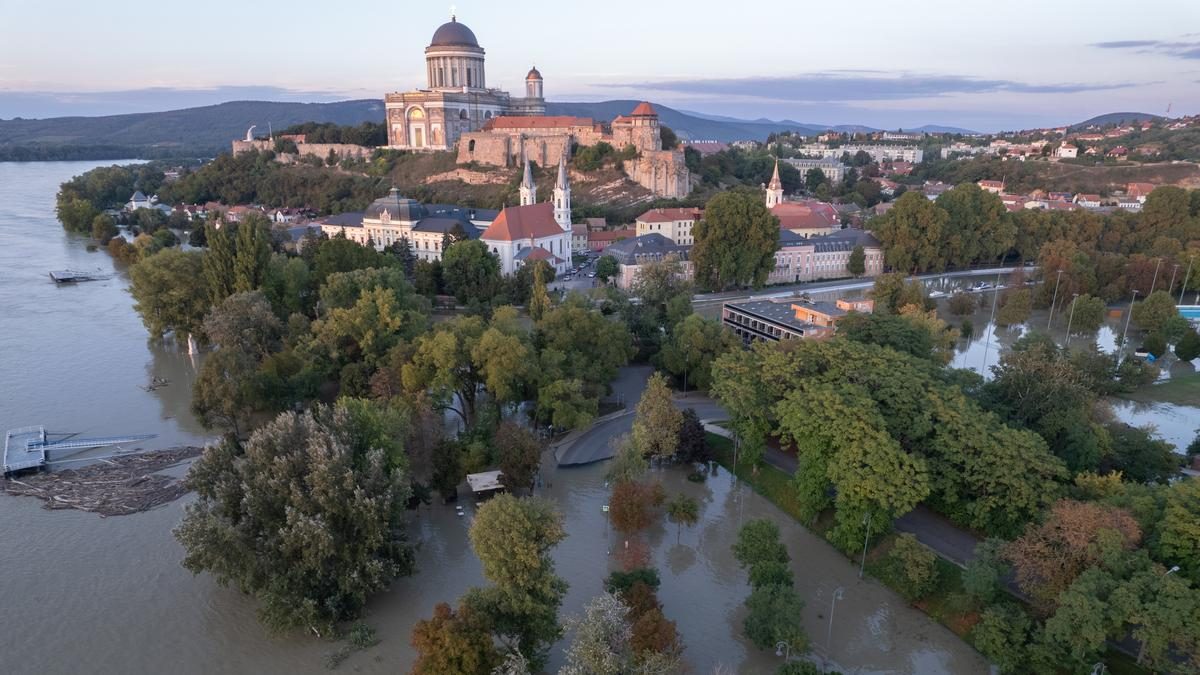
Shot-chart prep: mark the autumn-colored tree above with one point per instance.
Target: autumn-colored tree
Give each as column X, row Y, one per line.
column 1050, row 555
column 653, row 633
column 519, row 453
column 656, row 425
column 633, row 505
column 1016, row 305
column 454, row 643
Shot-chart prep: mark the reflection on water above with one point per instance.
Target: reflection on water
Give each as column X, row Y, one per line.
column 111, row 594
column 1175, row 424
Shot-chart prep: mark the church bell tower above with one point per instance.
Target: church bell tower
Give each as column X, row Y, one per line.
column 562, row 195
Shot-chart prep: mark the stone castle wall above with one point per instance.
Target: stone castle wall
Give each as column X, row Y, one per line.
column 662, row 172
column 321, row 150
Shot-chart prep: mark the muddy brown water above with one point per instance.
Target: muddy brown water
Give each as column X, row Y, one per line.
column 83, row 594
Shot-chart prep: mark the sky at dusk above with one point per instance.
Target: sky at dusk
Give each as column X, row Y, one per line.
column 981, row 65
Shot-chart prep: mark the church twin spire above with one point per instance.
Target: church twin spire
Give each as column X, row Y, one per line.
column 562, row 191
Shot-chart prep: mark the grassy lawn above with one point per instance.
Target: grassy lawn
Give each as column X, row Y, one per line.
column 1183, row 390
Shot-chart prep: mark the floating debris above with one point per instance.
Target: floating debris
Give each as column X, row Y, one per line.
column 114, row 486
column 155, row 383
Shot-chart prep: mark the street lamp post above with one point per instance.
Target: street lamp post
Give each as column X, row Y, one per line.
column 1174, row 270
column 866, row 538
column 1054, row 300
column 784, row 648
column 987, row 340
column 1071, row 319
column 837, row 595
column 1155, row 280
column 1142, row 648
column 1121, row 355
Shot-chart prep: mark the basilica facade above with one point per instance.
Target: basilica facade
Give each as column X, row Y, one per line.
column 456, row 99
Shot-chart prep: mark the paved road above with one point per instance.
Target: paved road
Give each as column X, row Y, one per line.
column 842, row 285
column 595, row 444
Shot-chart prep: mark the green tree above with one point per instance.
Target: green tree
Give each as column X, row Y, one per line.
column 311, row 557
column 911, row 233
column 983, row 577
column 693, row 442
column 245, row 321
column 682, row 510
column 693, row 345
column 220, row 260
column 917, row 566
column 76, row 215
column 1002, row 635
column 519, row 453
column 454, row 643
column 657, row 422
column 253, row 252
column 512, row 539
column 1188, row 347
column 962, row 304
column 1153, row 313
column 857, row 263
column 470, row 271
column 539, row 300
column 758, row 541
column 1089, row 314
column 978, row 227
column 814, row 179
column 565, row 404
column 735, row 242
column 223, row 393
column 104, row 229
column 1016, row 307
column 776, row 613
column 1179, row 532
column 170, row 293
column 607, row 268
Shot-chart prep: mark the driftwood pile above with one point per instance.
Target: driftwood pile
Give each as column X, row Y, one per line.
column 115, row 486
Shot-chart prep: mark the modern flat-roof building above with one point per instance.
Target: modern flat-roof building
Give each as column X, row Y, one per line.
column 788, row 318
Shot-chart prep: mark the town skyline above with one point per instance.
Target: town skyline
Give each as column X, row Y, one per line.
column 936, row 65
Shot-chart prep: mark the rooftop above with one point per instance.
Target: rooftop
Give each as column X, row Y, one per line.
column 535, row 122
column 655, row 245
column 670, row 215
column 517, row 223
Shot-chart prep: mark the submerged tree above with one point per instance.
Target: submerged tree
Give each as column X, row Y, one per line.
column 307, row 518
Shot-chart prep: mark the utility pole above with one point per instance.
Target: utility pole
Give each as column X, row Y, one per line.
column 1053, row 301
column 987, row 341
column 1071, row 319
column 1155, row 281
column 866, row 539
column 1121, row 355
column 1187, row 277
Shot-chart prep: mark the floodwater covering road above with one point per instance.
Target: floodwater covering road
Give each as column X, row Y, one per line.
column 108, row 595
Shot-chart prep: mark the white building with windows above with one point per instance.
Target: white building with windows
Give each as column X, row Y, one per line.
column 533, row 231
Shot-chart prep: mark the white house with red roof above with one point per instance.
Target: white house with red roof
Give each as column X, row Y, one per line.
column 675, row 224
column 533, row 231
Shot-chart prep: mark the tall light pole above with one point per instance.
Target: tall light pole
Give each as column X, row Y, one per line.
column 1056, row 283
column 784, row 648
column 1071, row 319
column 1174, row 269
column 866, row 539
column 1187, row 277
column 1121, row 354
column 987, row 340
column 837, row 595
column 1155, row 280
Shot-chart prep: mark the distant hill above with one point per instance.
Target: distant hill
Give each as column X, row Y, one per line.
column 1116, row 118
column 191, row 132
column 206, row 131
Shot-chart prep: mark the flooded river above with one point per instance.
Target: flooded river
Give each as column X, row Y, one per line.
column 83, row 594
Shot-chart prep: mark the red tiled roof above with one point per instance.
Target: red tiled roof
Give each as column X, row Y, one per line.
column 809, row 215
column 611, row 235
column 518, row 223
column 670, row 215
column 539, row 253
column 534, row 122
column 1139, row 189
column 644, row 109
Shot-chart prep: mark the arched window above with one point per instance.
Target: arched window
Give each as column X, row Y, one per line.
column 416, row 114
column 471, row 145
column 462, row 114
column 487, row 115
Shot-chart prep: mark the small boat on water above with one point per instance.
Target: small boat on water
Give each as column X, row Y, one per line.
column 937, row 294
column 75, row 276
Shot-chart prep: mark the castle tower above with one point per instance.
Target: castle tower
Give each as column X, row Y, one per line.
column 775, row 188
column 528, row 187
column 533, row 84
column 562, row 195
